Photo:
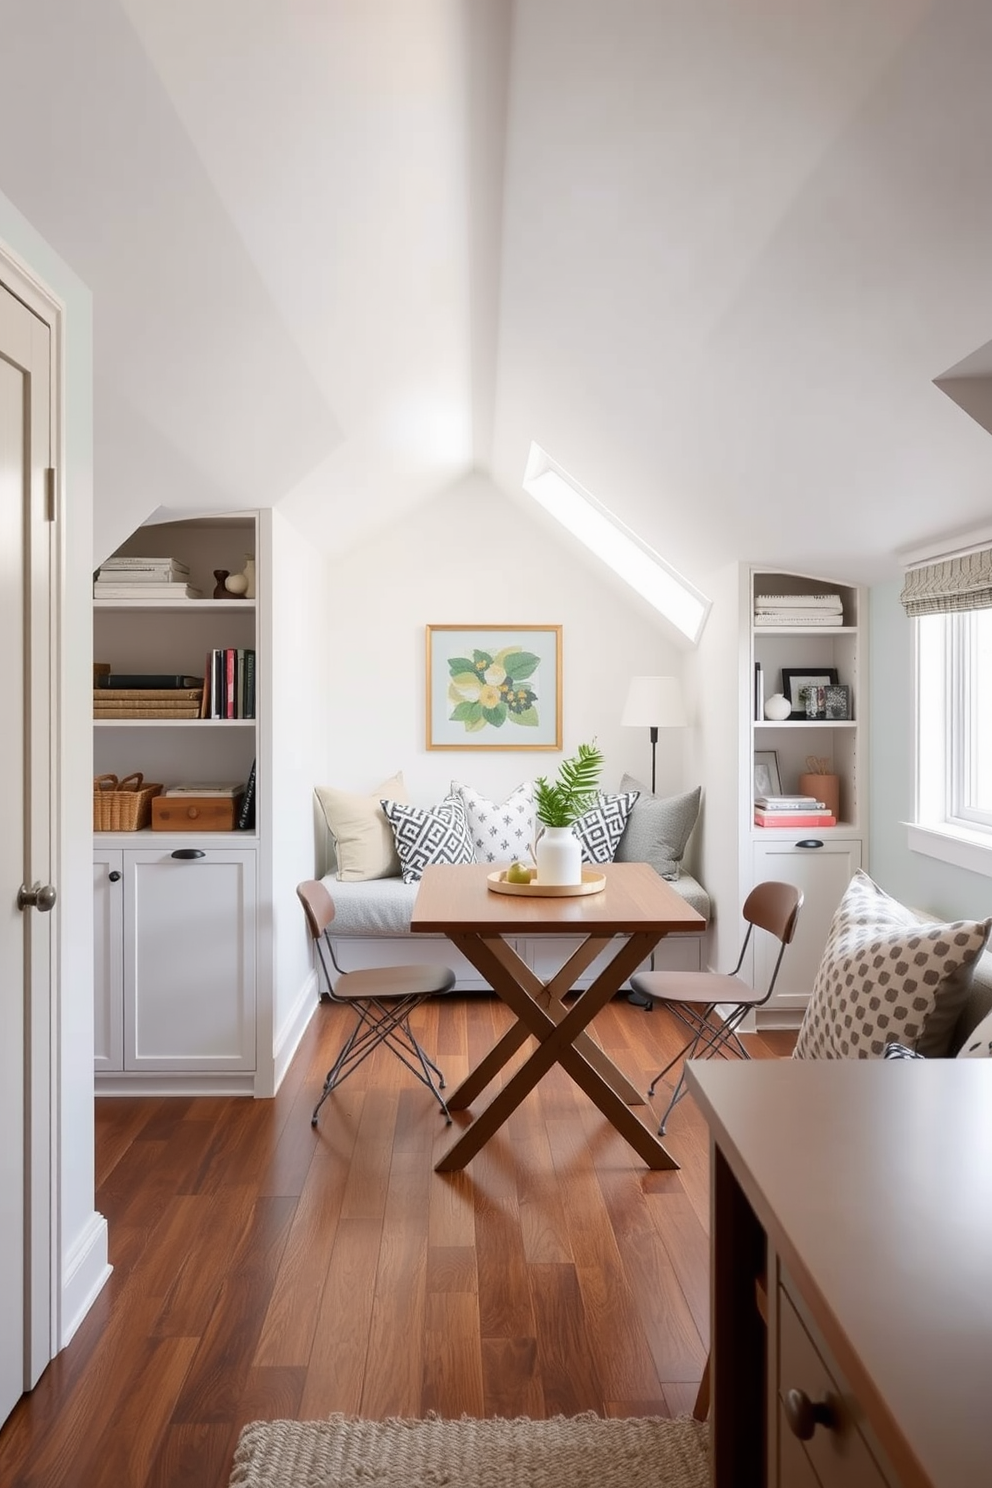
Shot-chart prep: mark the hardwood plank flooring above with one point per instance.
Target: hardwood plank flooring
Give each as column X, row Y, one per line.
column 264, row 1269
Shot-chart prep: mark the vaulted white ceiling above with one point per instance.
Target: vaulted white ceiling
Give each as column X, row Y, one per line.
column 710, row 254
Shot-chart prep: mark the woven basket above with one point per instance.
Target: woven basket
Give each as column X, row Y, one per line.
column 122, row 805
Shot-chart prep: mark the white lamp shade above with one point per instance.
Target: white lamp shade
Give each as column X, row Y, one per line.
column 654, row 702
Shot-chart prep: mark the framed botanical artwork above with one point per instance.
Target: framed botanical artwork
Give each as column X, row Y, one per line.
column 494, row 686
column 767, row 781
column 796, row 682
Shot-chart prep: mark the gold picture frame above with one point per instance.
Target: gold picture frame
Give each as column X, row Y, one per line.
column 494, row 686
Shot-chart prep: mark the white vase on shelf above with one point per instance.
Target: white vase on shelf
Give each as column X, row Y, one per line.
column 558, row 857
column 778, row 707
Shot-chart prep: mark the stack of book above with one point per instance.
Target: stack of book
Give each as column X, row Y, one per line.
column 176, row 699
column 794, row 611
column 792, row 811
column 134, row 580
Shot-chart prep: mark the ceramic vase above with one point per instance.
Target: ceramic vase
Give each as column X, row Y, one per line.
column 250, row 575
column 778, row 707
column 558, row 857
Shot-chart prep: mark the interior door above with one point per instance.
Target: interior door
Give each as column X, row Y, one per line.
column 25, row 841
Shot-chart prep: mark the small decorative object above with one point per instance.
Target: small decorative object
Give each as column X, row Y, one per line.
column 767, row 780
column 250, row 575
column 816, row 703
column 778, row 707
column 493, row 686
column 821, row 784
column 237, row 585
column 220, row 591
column 796, row 681
column 837, row 702
column 557, row 806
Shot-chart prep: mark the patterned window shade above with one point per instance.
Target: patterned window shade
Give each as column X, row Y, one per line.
column 962, row 583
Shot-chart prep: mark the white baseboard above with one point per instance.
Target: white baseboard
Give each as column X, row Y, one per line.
column 84, row 1276
column 294, row 1027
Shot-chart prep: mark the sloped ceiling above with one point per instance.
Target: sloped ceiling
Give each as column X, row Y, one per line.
column 711, row 254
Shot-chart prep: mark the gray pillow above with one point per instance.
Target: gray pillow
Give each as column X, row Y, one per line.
column 658, row 828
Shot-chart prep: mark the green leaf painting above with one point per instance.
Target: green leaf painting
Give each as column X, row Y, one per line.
column 491, row 689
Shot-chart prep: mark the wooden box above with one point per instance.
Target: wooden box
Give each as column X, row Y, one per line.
column 195, row 813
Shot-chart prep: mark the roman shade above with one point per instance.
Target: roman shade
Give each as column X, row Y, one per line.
column 960, row 583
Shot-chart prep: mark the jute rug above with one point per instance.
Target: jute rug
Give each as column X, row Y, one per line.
column 584, row 1451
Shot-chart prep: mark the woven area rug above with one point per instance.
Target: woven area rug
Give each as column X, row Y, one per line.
column 584, row 1451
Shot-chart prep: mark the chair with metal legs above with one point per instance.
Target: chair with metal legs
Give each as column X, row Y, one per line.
column 382, row 999
column 712, row 1006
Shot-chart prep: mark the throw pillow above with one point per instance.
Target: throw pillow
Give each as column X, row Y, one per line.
column 436, row 835
column 599, row 830
column 658, row 829
column 887, row 976
column 500, row 833
column 978, row 1044
column 899, row 1051
column 363, row 838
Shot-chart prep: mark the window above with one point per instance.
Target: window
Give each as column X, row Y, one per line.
column 954, row 726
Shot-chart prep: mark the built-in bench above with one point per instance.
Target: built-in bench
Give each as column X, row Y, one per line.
column 372, row 928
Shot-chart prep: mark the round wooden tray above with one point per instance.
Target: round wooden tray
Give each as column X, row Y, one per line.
column 592, row 883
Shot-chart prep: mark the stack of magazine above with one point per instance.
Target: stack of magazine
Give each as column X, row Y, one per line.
column 138, row 580
column 792, row 811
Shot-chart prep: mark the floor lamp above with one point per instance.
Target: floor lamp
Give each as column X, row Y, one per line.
column 653, row 703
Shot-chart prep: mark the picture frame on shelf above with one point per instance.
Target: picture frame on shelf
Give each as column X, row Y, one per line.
column 494, row 687
column 767, row 780
column 837, row 702
column 797, row 680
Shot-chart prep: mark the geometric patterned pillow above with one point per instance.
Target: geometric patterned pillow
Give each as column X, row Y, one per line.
column 658, row 829
column 500, row 833
column 899, row 1051
column 888, row 977
column 978, row 1044
column 599, row 830
column 438, row 835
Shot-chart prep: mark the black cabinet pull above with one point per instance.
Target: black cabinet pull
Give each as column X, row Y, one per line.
column 810, row 842
column 189, row 852
column 804, row 1415
column 114, row 876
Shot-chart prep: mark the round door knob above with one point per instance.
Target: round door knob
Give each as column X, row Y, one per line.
column 37, row 897
column 113, row 876
column 804, row 1415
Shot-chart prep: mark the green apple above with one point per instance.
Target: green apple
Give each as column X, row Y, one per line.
column 518, row 873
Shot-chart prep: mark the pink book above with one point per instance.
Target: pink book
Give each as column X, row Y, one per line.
column 794, row 819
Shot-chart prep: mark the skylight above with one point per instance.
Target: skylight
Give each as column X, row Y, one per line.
column 638, row 565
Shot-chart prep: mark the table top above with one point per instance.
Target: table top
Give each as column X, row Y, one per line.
column 457, row 899
column 873, row 1179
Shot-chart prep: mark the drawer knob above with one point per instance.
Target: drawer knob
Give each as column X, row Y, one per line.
column 804, row 1415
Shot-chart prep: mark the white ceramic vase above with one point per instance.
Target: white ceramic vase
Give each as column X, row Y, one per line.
column 778, row 707
column 558, row 857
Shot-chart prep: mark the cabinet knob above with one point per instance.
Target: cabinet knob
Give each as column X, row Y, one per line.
column 186, row 853
column 810, row 842
column 114, row 876
column 804, row 1415
column 37, row 897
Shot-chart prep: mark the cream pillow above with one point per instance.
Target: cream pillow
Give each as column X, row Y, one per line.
column 363, row 838
column 888, row 977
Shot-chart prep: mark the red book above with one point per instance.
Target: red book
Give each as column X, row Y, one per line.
column 230, row 660
column 793, row 818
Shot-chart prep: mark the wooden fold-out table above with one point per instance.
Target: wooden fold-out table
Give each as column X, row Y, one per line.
column 635, row 910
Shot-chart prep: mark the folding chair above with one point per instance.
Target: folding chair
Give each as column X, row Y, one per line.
column 711, row 1005
column 382, row 998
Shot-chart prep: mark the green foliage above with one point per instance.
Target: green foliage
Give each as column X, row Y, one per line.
column 562, row 802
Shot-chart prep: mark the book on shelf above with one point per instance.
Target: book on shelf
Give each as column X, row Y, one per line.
column 797, row 602
column 147, row 680
column 122, row 564
column 789, row 803
column 136, row 592
column 133, row 578
column 794, row 818
column 246, row 812
column 189, row 694
column 249, row 684
column 162, row 711
column 147, row 705
column 230, row 669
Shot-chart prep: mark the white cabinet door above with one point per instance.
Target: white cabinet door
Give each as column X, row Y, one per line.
column 108, row 959
column 823, row 873
column 189, row 959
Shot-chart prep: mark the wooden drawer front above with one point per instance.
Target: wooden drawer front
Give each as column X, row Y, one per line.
column 194, row 813
column 837, row 1453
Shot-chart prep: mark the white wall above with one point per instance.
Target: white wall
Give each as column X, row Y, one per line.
column 294, row 737
column 81, row 1258
column 910, row 877
column 471, row 556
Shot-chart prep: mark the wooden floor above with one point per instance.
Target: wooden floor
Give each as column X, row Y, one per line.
column 263, row 1269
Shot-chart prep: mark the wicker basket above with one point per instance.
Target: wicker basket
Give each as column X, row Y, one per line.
column 122, row 805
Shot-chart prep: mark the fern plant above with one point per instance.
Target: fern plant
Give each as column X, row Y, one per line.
column 561, row 802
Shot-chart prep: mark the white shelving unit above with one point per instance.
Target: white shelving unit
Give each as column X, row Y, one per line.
column 820, row 860
column 176, row 912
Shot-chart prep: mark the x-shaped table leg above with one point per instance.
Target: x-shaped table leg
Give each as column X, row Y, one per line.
column 559, row 1033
